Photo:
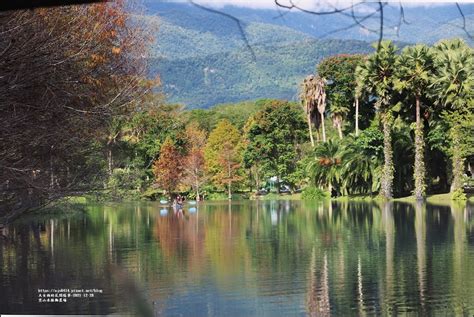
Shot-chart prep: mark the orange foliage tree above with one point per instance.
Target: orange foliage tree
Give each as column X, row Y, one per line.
column 65, row 72
column 168, row 168
column 194, row 163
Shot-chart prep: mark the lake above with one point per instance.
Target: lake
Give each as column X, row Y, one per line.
column 274, row 258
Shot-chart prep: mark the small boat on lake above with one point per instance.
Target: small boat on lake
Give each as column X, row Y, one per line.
column 177, row 206
column 163, row 202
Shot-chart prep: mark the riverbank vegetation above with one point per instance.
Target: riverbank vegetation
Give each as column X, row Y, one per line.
column 66, row 75
column 389, row 124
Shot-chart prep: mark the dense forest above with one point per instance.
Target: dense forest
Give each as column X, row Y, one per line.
column 233, row 76
column 393, row 123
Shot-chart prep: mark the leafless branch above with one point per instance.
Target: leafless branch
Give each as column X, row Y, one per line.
column 464, row 22
column 233, row 18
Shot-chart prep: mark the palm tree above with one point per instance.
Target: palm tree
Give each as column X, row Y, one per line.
column 307, row 93
column 415, row 67
column 453, row 88
column 324, row 169
column 338, row 113
column 377, row 74
column 314, row 97
column 359, row 75
column 361, row 167
column 320, row 97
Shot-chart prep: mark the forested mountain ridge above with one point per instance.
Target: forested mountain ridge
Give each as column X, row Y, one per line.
column 203, row 60
column 234, row 75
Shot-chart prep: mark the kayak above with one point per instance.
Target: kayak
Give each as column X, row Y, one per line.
column 177, row 206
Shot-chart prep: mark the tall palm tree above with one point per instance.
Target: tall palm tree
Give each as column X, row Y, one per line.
column 313, row 96
column 338, row 112
column 453, row 88
column 415, row 68
column 377, row 74
column 320, row 97
column 307, row 98
column 359, row 75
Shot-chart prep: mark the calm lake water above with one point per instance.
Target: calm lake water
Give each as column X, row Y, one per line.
column 275, row 258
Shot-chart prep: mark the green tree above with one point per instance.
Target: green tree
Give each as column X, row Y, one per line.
column 377, row 75
column 223, row 155
column 362, row 160
column 453, row 90
column 339, row 71
column 414, row 70
column 338, row 111
column 272, row 139
column 148, row 129
column 324, row 169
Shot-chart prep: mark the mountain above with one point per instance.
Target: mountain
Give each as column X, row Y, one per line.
column 234, row 76
column 203, row 58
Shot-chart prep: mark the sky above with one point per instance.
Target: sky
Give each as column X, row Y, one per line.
column 315, row 4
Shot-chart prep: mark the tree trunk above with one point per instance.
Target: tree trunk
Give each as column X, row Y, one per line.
column 257, row 178
column 310, row 129
column 386, row 190
column 457, row 160
column 229, row 182
column 318, row 137
column 51, row 170
column 323, row 128
column 357, row 116
column 110, row 160
column 197, row 191
column 419, row 169
column 339, row 129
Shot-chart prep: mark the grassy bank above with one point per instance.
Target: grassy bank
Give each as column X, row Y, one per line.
column 274, row 196
column 438, row 199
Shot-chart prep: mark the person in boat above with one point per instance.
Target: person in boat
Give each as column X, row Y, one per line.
column 178, row 202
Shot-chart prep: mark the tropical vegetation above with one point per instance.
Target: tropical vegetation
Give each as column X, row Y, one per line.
column 402, row 124
column 390, row 124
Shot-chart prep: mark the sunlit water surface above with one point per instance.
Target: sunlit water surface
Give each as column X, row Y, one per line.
column 275, row 258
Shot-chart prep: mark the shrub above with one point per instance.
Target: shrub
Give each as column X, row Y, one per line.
column 458, row 195
column 313, row 193
column 124, row 184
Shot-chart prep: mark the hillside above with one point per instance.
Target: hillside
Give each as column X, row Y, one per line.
column 234, row 76
column 202, row 58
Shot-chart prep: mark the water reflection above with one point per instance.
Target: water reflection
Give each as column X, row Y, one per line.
column 246, row 258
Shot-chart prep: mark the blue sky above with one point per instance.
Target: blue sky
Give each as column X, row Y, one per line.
column 316, row 4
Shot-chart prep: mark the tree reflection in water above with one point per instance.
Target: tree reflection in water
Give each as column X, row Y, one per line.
column 246, row 258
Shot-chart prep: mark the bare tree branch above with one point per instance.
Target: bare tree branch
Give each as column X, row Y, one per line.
column 464, row 22
column 233, row 18
column 381, row 24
